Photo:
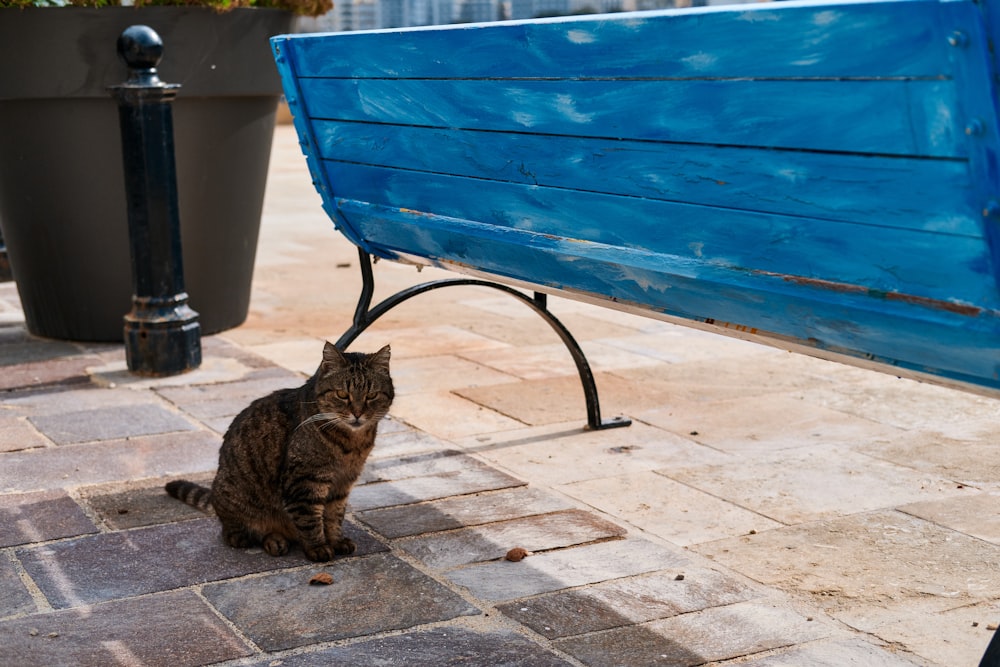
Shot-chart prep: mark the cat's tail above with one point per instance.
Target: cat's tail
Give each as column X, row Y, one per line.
column 193, row 494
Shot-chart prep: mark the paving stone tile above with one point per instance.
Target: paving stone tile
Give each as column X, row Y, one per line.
column 115, row 373
column 536, row 362
column 712, row 376
column 834, row 653
column 298, row 355
column 442, row 373
column 147, row 560
column 426, row 341
column 168, row 630
column 469, row 510
column 974, row 514
column 430, row 487
column 368, row 595
column 558, row 399
column 130, row 505
column 555, row 570
column 864, row 569
column 41, row 516
column 99, row 462
column 110, row 423
column 437, row 647
column 714, row 634
column 626, row 601
column 223, row 399
column 674, row 511
column 17, row 434
column 756, row 423
column 80, row 398
column 50, row 375
column 954, row 637
column 14, row 597
column 563, row 457
column 18, row 347
column 914, row 406
column 682, row 346
column 396, row 440
column 450, row 416
column 970, row 462
column 813, row 483
column 418, row 465
column 507, row 320
column 491, row 541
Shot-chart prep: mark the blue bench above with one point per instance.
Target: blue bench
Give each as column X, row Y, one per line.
column 820, row 176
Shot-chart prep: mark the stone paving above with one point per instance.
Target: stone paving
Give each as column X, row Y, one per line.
column 763, row 509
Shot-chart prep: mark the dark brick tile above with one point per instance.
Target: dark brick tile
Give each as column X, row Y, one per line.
column 110, row 423
column 115, row 460
column 19, row 348
column 14, row 597
column 491, row 541
column 368, row 595
column 441, row 646
column 147, row 560
column 123, row 506
column 37, row 517
column 168, row 630
column 227, row 398
column 76, row 399
column 30, row 363
column 620, row 602
column 714, row 634
column 470, row 510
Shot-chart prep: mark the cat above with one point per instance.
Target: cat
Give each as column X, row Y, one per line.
column 289, row 459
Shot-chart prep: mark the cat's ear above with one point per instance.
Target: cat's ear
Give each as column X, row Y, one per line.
column 381, row 358
column 333, row 357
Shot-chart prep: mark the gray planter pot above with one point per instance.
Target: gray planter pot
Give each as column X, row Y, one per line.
column 62, row 197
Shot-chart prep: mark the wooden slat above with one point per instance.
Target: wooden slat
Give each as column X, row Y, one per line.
column 905, row 333
column 931, row 195
column 873, row 117
column 880, row 258
column 904, row 39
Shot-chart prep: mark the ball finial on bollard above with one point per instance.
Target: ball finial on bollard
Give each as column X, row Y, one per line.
column 141, row 48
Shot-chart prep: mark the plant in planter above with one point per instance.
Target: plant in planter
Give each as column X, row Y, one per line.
column 62, row 201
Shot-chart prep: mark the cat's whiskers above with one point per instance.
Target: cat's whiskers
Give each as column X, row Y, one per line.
column 326, row 417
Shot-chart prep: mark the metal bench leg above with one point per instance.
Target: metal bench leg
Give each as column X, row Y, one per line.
column 365, row 315
column 992, row 656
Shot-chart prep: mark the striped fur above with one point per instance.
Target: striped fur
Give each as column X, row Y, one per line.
column 195, row 495
column 289, row 460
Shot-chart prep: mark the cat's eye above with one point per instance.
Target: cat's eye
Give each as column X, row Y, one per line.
column 372, row 395
column 342, row 394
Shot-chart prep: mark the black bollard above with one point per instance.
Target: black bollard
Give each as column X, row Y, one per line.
column 162, row 334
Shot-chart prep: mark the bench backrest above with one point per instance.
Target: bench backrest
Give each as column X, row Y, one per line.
column 823, row 175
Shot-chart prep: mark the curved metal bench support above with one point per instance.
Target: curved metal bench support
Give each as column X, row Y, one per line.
column 365, row 315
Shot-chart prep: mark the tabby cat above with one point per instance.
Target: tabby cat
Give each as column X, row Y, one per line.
column 289, row 459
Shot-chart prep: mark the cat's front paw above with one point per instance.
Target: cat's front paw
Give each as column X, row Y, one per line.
column 275, row 545
column 343, row 546
column 319, row 553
